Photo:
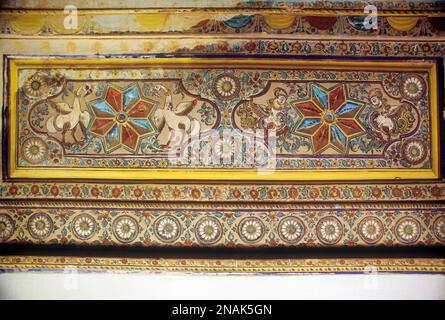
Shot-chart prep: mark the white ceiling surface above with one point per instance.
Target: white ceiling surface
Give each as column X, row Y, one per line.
column 148, row 285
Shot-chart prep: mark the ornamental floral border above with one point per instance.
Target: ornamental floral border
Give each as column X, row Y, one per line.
column 319, row 46
column 96, row 264
column 224, row 192
column 340, row 227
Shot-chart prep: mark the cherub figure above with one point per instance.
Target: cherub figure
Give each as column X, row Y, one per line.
column 269, row 116
column 390, row 120
column 383, row 121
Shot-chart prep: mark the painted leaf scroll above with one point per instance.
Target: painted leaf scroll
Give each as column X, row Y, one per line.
column 179, row 118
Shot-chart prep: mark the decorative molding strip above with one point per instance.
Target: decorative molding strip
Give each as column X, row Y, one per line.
column 214, row 205
column 278, row 192
column 42, row 263
column 219, row 21
column 312, row 227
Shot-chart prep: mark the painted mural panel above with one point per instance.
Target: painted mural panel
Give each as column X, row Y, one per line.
column 191, row 118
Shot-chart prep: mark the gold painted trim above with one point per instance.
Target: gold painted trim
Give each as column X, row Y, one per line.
column 17, row 64
column 250, row 206
column 224, row 265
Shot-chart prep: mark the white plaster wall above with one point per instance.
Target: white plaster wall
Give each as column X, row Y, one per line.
column 145, row 285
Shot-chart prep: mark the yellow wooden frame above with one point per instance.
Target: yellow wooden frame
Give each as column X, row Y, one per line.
column 15, row 64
